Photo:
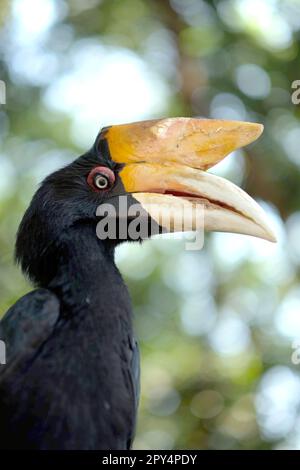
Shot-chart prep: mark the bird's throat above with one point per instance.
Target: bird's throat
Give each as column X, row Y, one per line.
column 87, row 277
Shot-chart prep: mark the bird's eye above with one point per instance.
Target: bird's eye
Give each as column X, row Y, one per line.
column 101, row 178
column 101, row 181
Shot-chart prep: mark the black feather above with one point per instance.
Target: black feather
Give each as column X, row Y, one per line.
column 72, row 375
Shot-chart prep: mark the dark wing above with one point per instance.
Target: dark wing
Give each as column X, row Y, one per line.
column 25, row 327
column 135, row 371
column 134, row 374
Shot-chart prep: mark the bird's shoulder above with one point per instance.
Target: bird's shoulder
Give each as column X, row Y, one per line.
column 27, row 324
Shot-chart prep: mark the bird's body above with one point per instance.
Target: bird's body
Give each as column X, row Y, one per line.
column 71, row 379
column 72, row 375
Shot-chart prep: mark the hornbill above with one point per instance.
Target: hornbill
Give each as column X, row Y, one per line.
column 71, row 378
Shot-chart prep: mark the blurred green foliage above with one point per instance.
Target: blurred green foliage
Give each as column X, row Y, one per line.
column 218, row 327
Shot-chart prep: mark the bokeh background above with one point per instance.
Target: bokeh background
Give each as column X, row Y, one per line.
column 218, row 328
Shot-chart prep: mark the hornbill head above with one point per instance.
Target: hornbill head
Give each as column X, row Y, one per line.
column 158, row 163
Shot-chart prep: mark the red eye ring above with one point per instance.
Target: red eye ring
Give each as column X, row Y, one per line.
column 101, row 178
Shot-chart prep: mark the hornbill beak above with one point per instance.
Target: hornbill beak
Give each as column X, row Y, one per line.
column 165, row 162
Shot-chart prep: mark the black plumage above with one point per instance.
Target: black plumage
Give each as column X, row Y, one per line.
column 72, row 375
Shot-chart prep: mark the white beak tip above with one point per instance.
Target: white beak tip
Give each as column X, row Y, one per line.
column 271, row 237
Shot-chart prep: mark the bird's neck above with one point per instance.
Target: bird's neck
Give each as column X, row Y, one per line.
column 87, row 277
